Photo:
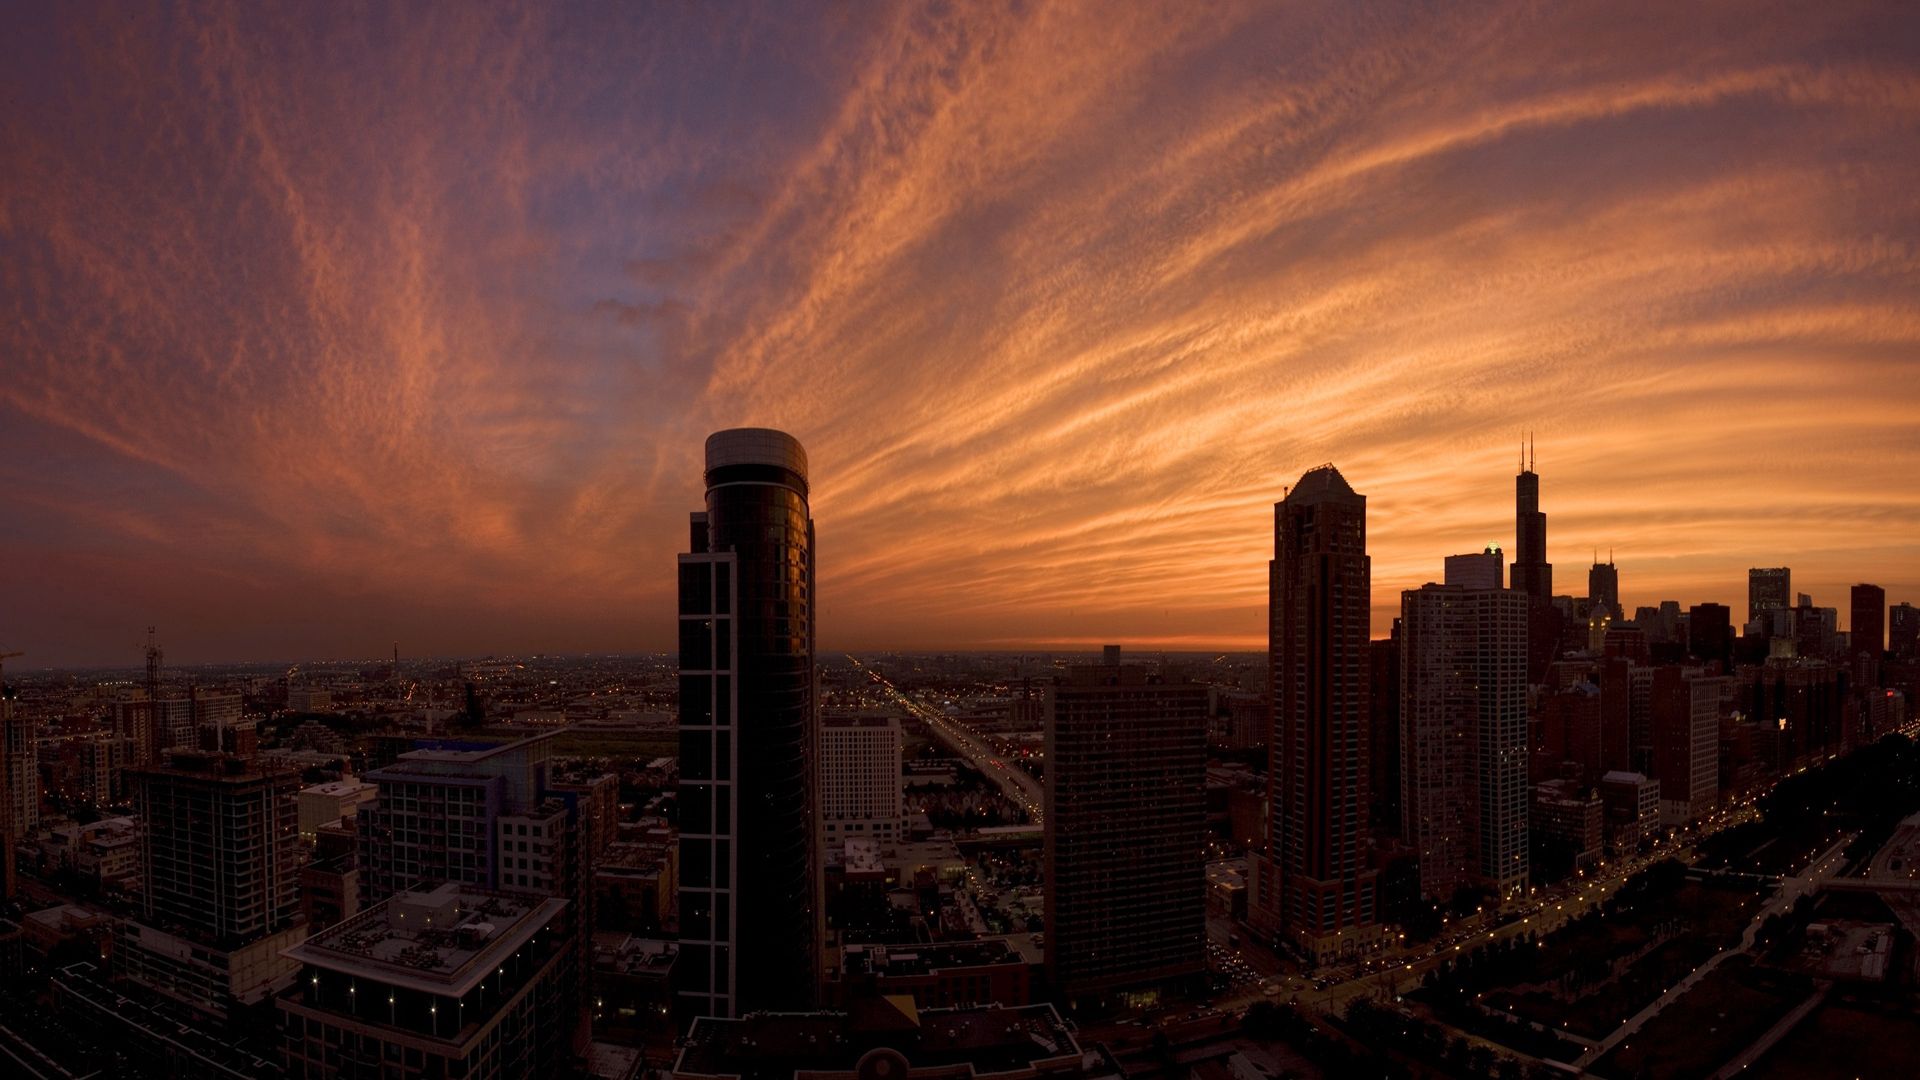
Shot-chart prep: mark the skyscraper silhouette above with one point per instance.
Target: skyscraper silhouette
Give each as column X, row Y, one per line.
column 1532, row 573
column 1313, row 887
column 749, row 913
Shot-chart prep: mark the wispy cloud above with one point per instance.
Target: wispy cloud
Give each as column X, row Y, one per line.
column 323, row 331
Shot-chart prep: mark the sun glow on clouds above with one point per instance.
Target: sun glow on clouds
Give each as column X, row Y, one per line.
column 324, row 332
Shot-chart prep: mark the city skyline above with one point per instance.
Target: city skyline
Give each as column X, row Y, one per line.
column 309, row 356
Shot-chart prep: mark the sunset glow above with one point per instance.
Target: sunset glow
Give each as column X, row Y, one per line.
column 411, row 327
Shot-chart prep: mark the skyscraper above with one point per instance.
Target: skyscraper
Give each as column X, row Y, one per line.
column 1868, row 630
column 1603, row 586
column 1769, row 588
column 1464, row 752
column 1312, row 887
column 1125, row 823
column 1532, row 573
column 749, row 734
column 860, row 778
column 219, row 854
column 1903, row 631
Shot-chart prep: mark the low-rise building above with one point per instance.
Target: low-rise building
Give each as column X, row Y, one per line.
column 336, row 801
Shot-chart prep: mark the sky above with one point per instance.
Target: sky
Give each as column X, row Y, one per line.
column 325, row 327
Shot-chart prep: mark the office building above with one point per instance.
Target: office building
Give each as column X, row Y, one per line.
column 1125, row 825
column 1632, row 802
column 1464, row 744
column 472, row 813
column 1710, row 634
column 1868, row 630
column 1312, row 888
column 1532, row 574
column 1769, row 588
column 1903, row 631
column 1603, row 588
column 20, row 769
column 454, row 981
column 219, row 854
column 1686, row 751
column 1476, row 570
column 860, row 778
column 1571, row 816
column 333, row 801
column 750, row 911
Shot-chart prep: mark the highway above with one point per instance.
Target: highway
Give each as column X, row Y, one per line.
column 962, row 741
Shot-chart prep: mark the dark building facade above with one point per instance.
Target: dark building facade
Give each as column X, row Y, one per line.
column 1383, row 709
column 1710, row 633
column 1313, row 887
column 1603, row 587
column 1125, row 825
column 1903, row 631
column 1532, row 574
column 1769, row 588
column 749, row 734
column 1869, row 625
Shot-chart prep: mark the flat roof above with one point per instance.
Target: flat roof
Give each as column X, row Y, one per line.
column 459, row 935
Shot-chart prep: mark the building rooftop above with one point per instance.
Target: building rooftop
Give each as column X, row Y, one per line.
column 439, row 942
column 903, row 960
column 1321, row 482
column 467, row 753
column 338, row 788
column 779, row 1046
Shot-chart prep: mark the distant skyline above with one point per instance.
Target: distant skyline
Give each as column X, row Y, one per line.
column 413, row 330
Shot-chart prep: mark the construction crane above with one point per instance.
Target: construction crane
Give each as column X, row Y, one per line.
column 4, row 657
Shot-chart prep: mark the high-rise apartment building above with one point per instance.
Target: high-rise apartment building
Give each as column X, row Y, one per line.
column 1125, row 824
column 220, row 863
column 1769, row 588
column 1463, row 686
column 1312, row 887
column 860, row 778
column 750, row 913
column 1603, row 587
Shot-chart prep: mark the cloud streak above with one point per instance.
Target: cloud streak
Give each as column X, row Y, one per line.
column 413, row 328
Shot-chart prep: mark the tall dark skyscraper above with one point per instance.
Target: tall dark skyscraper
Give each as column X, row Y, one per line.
column 1532, row 573
column 749, row 735
column 1769, row 588
column 1868, row 630
column 1312, row 886
column 1126, row 822
column 1603, row 586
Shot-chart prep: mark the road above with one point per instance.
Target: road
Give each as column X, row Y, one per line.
column 1791, row 889
column 1015, row 782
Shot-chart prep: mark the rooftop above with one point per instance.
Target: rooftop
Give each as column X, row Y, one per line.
column 442, row 941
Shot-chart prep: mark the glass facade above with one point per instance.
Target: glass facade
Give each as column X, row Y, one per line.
column 748, row 734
